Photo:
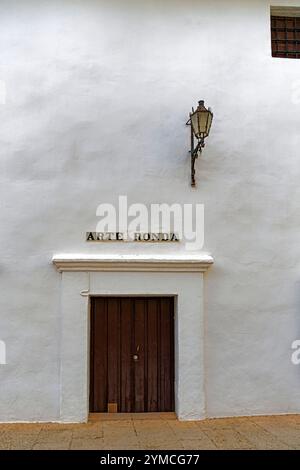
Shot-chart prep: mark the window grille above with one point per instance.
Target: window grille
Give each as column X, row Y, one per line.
column 285, row 37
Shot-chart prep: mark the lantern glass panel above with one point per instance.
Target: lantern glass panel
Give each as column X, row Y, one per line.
column 209, row 121
column 201, row 122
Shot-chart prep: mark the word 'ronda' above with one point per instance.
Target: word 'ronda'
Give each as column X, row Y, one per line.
column 135, row 237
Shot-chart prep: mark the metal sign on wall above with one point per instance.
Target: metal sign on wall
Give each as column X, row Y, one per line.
column 135, row 237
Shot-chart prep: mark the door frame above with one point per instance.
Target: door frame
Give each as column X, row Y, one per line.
column 131, row 296
column 178, row 275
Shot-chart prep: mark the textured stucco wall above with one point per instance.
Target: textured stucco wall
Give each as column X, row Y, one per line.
column 97, row 94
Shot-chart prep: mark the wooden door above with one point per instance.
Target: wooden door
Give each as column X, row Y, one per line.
column 132, row 354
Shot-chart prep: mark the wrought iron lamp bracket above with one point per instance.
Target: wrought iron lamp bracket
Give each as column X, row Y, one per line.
column 194, row 155
column 195, row 152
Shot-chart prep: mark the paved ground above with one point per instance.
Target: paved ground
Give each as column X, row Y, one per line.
column 158, row 431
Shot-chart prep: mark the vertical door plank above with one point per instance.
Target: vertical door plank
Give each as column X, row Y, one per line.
column 139, row 351
column 126, row 370
column 113, row 322
column 152, row 355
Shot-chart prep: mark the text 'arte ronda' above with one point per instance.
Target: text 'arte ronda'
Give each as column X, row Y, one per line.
column 135, row 237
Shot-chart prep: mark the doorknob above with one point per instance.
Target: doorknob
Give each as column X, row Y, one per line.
column 135, row 357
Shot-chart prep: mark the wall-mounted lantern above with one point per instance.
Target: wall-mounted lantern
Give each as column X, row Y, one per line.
column 200, row 121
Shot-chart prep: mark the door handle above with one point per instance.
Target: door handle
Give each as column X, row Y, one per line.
column 135, row 357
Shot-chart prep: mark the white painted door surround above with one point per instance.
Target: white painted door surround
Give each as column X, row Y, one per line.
column 84, row 276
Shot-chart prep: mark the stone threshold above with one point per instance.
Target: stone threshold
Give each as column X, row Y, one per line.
column 94, row 417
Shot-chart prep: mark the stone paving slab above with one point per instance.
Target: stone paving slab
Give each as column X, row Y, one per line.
column 155, row 431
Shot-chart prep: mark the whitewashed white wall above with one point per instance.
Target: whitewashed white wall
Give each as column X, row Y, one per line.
column 97, row 94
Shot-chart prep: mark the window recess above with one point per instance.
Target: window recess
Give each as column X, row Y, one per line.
column 285, row 32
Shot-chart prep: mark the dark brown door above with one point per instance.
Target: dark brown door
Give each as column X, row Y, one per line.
column 132, row 354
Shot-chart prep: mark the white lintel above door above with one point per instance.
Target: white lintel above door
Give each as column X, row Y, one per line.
column 114, row 262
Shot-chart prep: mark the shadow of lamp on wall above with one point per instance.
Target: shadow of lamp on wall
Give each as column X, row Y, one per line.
column 200, row 121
